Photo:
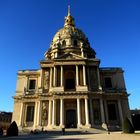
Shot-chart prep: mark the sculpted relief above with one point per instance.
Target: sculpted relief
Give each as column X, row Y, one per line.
column 46, row 79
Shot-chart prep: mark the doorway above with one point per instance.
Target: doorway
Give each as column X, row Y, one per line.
column 71, row 118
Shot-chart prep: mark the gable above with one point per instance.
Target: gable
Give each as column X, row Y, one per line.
column 70, row 56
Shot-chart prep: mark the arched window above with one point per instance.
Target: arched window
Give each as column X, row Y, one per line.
column 70, row 80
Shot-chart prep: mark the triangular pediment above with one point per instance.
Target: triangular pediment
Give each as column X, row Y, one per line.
column 70, row 56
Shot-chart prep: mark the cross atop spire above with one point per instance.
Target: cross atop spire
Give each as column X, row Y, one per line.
column 68, row 10
column 69, row 20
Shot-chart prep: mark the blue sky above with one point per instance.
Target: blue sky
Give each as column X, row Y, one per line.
column 28, row 26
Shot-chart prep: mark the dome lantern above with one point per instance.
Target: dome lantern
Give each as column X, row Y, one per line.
column 69, row 20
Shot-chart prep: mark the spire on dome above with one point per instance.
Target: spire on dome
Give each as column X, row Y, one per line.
column 69, row 20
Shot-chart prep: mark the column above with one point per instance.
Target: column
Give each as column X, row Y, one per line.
column 50, row 77
column 35, row 114
column 61, row 112
column 39, row 113
column 98, row 78
column 82, row 52
column 27, row 87
column 77, row 76
column 25, row 115
column 102, row 111
column 86, row 111
column 50, row 113
column 91, row 111
column 41, row 79
column 120, row 111
column 21, row 115
column 106, row 111
column 84, row 75
column 78, row 112
column 54, row 77
column 61, row 76
column 56, row 54
column 54, row 113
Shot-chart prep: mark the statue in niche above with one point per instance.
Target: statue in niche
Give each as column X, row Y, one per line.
column 44, row 114
column 46, row 80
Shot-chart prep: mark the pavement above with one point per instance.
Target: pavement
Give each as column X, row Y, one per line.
column 76, row 135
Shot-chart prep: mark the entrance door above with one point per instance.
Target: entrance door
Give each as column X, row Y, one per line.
column 71, row 118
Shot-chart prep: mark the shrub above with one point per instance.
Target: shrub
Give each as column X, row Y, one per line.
column 13, row 129
column 127, row 126
column 1, row 131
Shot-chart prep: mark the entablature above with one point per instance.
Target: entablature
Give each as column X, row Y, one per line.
column 29, row 72
column 62, row 62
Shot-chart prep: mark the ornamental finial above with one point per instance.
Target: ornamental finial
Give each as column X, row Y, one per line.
column 69, row 20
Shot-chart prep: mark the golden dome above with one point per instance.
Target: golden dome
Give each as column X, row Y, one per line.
column 69, row 39
column 69, row 30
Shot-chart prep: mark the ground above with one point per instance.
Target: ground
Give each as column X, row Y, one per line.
column 77, row 135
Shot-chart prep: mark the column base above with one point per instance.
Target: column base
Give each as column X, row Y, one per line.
column 81, row 88
column 62, row 126
column 49, row 127
column 55, row 89
column 54, row 126
column 104, row 126
column 20, row 128
column 88, row 126
column 100, row 88
column 79, row 126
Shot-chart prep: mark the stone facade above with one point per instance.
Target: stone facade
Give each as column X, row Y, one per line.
column 70, row 89
column 5, row 119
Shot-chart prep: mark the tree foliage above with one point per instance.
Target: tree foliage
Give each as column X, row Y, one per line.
column 127, row 126
column 13, row 129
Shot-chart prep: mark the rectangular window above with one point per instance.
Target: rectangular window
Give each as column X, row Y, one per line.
column 112, row 115
column 30, row 114
column 108, row 82
column 96, row 112
column 32, row 84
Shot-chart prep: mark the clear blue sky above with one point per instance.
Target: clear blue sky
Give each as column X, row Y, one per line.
column 28, row 26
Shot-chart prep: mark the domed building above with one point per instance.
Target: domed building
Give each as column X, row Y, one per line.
column 70, row 89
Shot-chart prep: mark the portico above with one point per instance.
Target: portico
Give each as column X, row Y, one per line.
column 66, row 107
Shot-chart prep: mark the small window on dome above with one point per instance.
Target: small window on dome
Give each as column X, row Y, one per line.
column 63, row 43
column 75, row 43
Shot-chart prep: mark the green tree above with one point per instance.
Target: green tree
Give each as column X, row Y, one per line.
column 127, row 126
column 13, row 129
